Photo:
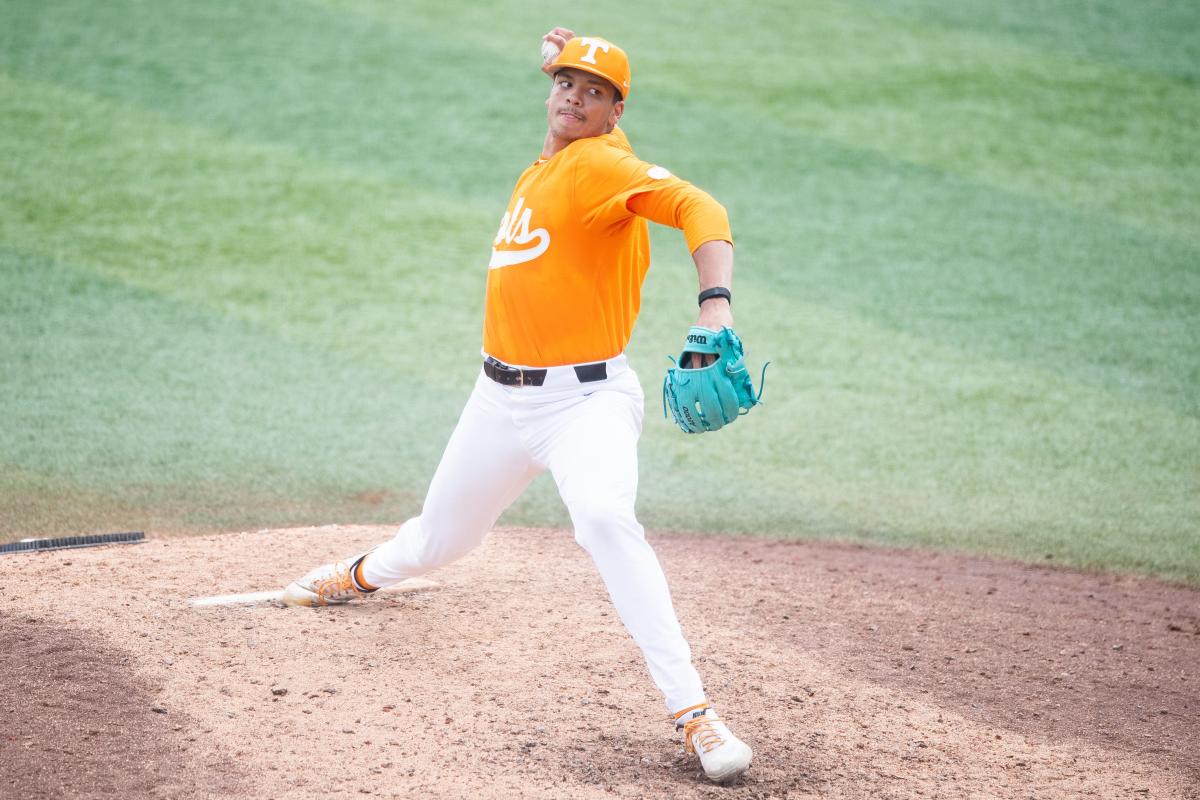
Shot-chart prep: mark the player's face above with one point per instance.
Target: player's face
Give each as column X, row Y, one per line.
column 581, row 105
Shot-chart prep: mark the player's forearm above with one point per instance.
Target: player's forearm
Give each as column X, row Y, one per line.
column 714, row 267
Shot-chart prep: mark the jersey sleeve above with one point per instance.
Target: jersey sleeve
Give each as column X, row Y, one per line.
column 613, row 185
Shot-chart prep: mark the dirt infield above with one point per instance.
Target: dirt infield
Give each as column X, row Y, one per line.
column 853, row 672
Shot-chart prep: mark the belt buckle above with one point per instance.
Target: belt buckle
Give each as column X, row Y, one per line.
column 520, row 376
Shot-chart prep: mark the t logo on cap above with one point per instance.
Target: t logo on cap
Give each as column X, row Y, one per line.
column 592, row 45
column 584, row 52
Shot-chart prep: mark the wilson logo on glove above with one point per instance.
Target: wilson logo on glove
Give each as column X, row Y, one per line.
column 708, row 398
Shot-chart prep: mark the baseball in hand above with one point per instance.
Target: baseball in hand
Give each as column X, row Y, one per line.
column 550, row 52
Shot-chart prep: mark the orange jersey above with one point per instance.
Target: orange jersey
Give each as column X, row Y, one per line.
column 565, row 277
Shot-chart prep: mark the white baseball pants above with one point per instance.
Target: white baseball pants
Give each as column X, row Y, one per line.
column 586, row 434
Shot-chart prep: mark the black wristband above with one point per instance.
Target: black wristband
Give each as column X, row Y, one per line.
column 716, row 291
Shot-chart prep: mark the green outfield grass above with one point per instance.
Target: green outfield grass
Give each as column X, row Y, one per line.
column 243, row 249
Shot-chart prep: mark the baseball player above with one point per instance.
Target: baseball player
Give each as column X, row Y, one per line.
column 555, row 391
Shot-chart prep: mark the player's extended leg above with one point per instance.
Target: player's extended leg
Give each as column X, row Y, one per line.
column 594, row 462
column 484, row 468
column 592, row 454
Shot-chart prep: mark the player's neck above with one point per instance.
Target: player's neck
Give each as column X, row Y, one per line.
column 553, row 145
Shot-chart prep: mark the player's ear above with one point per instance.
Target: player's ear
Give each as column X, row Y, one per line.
column 618, row 110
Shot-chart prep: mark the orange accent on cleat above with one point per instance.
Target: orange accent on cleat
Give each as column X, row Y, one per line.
column 359, row 579
column 700, row 732
column 337, row 586
column 689, row 710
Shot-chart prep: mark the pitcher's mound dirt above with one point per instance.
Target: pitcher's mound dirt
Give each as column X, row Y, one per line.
column 853, row 672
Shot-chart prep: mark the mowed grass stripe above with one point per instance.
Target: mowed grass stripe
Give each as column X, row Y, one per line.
column 389, row 101
column 1074, row 132
column 1161, row 36
column 318, row 254
column 1077, row 133
column 145, row 401
column 943, row 257
column 33, row 505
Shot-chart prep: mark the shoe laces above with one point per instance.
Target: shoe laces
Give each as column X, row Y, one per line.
column 339, row 583
column 700, row 731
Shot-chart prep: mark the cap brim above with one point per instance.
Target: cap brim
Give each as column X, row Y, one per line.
column 592, row 70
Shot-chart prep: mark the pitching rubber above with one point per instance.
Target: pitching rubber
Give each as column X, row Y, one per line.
column 276, row 596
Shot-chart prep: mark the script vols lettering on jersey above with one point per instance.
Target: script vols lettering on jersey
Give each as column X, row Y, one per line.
column 565, row 278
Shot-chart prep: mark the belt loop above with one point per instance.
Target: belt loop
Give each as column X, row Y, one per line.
column 588, row 373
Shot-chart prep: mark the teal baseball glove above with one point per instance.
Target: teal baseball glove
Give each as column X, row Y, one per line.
column 709, row 398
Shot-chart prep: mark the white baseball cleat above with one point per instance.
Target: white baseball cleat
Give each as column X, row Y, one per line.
column 723, row 755
column 329, row 584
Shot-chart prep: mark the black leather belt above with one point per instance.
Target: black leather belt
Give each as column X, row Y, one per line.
column 514, row 376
